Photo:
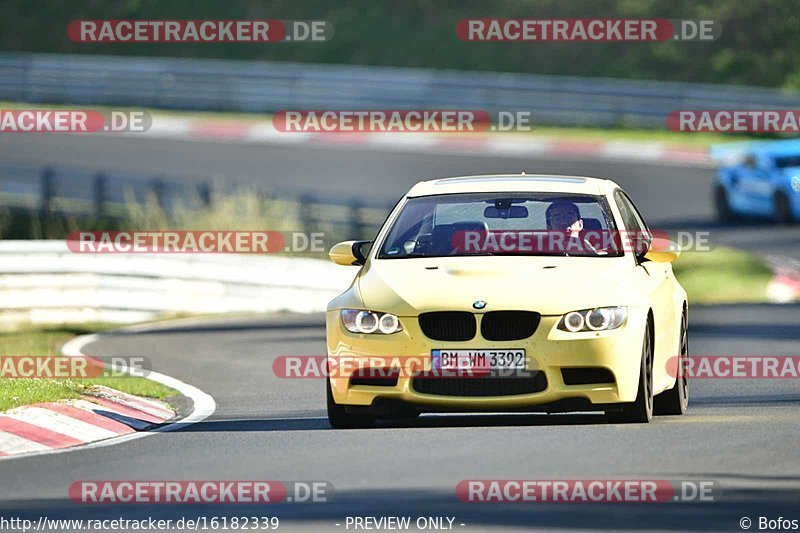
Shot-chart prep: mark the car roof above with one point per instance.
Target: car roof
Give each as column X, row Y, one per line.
column 513, row 183
column 732, row 152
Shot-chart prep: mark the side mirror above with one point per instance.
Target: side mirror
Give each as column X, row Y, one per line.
column 662, row 251
column 348, row 253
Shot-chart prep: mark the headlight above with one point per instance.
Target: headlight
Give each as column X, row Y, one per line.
column 573, row 321
column 360, row 321
column 598, row 319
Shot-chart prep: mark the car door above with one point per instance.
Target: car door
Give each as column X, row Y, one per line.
column 658, row 280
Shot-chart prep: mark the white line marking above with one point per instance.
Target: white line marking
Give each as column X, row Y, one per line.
column 14, row 444
column 143, row 404
column 204, row 405
column 71, row 427
column 132, row 402
column 108, row 412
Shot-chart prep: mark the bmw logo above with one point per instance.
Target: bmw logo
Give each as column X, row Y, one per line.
column 479, row 304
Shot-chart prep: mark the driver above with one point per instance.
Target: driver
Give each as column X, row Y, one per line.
column 564, row 216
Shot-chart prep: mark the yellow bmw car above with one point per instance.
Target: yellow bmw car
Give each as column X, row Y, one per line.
column 526, row 293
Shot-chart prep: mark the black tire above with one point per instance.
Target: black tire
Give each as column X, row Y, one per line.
column 782, row 210
column 641, row 410
column 674, row 401
column 722, row 206
column 339, row 418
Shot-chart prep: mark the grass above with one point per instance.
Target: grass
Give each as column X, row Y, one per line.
column 47, row 341
column 723, row 275
column 244, row 209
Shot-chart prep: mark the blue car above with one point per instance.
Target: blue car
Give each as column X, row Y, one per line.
column 758, row 179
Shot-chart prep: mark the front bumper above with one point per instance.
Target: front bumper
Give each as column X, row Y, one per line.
column 548, row 350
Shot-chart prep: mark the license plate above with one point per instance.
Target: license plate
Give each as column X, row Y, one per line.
column 486, row 360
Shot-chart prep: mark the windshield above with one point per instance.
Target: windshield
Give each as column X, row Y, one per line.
column 787, row 161
column 553, row 224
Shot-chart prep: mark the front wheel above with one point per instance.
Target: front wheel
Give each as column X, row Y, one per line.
column 339, row 418
column 722, row 205
column 674, row 401
column 641, row 410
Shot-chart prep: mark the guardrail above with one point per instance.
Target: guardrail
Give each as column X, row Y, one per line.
column 259, row 86
column 42, row 282
column 51, row 191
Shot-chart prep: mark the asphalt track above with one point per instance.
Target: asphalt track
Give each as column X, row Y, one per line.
column 741, row 434
column 671, row 197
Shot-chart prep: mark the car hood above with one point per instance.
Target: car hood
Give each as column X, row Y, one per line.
column 791, row 172
column 549, row 285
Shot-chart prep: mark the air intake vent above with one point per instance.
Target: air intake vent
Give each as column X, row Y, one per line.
column 448, row 325
column 509, row 325
column 586, row 376
column 492, row 386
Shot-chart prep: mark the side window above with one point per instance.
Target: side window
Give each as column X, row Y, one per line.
column 637, row 232
column 637, row 214
column 628, row 213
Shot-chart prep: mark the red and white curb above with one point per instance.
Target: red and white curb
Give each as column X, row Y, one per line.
column 784, row 287
column 101, row 418
column 56, row 425
column 493, row 143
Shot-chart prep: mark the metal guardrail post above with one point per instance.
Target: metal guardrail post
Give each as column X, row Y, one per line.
column 158, row 188
column 100, row 194
column 47, row 192
column 307, row 218
column 204, row 192
column 356, row 227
